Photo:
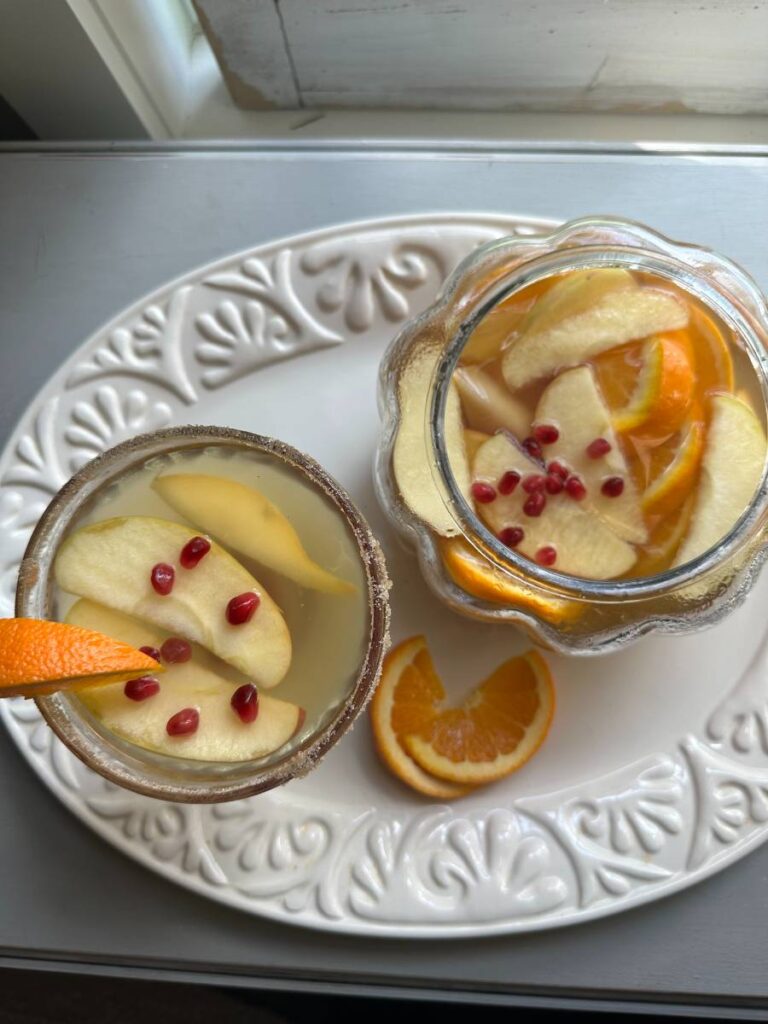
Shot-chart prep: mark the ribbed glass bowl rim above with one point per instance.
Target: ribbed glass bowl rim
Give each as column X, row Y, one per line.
column 128, row 770
column 584, row 257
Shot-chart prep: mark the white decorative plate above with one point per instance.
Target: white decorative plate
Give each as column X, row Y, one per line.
column 655, row 773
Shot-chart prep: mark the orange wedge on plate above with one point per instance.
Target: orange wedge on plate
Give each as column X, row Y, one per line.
column 664, row 388
column 39, row 657
column 668, row 491
column 409, row 694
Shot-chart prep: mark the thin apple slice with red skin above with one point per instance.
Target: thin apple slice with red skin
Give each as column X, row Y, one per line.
column 585, row 546
column 614, row 319
column 412, row 461
column 572, row 402
column 488, row 405
column 201, row 682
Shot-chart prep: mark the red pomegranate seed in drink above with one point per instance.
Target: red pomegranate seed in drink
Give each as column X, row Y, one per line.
column 511, row 536
column 532, row 446
column 151, row 652
column 554, row 484
column 534, row 506
column 175, row 650
column 546, row 433
column 612, row 487
column 534, row 482
column 162, row 577
column 558, row 469
column 141, row 688
column 194, row 551
column 574, row 488
column 245, row 701
column 598, row 448
column 546, row 555
column 241, row 609
column 484, row 493
column 183, row 722
column 509, row 482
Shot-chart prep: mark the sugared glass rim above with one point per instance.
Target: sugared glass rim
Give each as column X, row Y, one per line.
column 124, row 763
column 583, row 257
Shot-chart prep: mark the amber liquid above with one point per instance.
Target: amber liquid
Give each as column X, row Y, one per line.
column 719, row 363
column 328, row 631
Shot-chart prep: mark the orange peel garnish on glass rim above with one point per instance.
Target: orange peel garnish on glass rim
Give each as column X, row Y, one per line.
column 39, row 657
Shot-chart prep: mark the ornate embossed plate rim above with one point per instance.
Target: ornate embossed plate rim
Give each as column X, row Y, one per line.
column 540, row 820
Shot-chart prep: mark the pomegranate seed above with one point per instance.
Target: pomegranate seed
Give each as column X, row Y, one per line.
column 141, row 688
column 598, row 448
column 508, row 482
column 546, row 555
column 183, row 722
column 245, row 701
column 574, row 488
column 554, row 484
column 151, row 652
column 534, row 482
column 532, row 446
column 194, row 551
column 241, row 609
column 612, row 487
column 175, row 650
column 162, row 578
column 534, row 506
column 558, row 469
column 546, row 433
column 511, row 536
column 484, row 493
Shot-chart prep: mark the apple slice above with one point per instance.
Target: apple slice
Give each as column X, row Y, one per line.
column 412, row 461
column 614, row 319
column 247, row 522
column 574, row 294
column 111, row 562
column 202, row 682
column 572, row 402
column 584, row 545
column 731, row 470
column 488, row 405
column 472, row 441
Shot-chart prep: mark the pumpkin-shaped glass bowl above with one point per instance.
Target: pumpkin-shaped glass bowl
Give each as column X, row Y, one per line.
column 178, row 778
column 564, row 613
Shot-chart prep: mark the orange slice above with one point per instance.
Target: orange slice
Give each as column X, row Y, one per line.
column 39, row 657
column 664, row 389
column 714, row 364
column 473, row 574
column 499, row 726
column 408, row 695
column 670, row 488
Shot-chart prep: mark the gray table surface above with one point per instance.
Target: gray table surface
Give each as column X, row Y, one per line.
column 83, row 234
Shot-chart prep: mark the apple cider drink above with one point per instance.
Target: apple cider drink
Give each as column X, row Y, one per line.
column 609, row 427
column 242, row 581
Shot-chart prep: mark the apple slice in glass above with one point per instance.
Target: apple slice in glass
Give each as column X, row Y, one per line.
column 111, row 562
column 572, row 402
column 202, row 682
column 247, row 522
column 584, row 545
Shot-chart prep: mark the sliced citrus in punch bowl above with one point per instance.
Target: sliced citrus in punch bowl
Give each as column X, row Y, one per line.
column 714, row 364
column 39, row 657
column 664, row 389
column 496, row 729
column 667, row 491
column 476, row 576
column 408, row 694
